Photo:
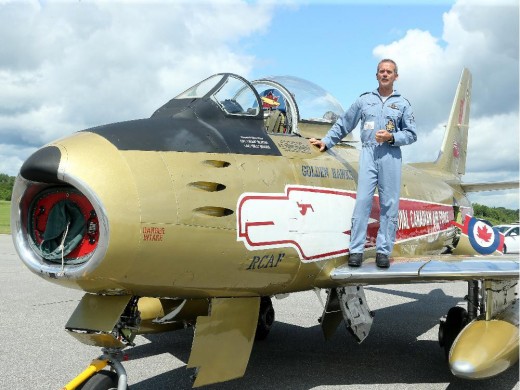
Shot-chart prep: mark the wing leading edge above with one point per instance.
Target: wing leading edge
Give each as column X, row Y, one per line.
column 426, row 270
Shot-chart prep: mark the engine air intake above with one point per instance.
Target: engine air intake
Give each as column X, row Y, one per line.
column 63, row 226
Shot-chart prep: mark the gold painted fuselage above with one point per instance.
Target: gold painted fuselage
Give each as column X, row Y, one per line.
column 172, row 216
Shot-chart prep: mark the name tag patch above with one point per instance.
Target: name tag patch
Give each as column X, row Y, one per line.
column 368, row 126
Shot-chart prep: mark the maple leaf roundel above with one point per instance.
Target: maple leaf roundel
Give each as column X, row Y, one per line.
column 483, row 238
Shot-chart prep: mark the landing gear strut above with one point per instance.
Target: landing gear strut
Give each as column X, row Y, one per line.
column 95, row 378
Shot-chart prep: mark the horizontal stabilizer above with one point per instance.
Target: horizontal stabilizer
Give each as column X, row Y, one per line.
column 498, row 186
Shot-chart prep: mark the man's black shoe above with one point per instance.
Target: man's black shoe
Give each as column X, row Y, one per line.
column 355, row 259
column 382, row 260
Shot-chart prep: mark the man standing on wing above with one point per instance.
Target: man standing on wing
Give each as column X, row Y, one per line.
column 387, row 123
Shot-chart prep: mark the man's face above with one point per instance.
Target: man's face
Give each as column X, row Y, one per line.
column 386, row 74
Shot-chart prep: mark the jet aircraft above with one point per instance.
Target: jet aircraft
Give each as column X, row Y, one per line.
column 200, row 214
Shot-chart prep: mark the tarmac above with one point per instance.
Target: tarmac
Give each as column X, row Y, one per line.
column 401, row 352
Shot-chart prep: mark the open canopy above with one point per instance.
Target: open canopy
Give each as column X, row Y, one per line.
column 299, row 100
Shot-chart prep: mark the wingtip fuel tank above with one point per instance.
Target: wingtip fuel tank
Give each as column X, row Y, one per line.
column 484, row 349
column 488, row 346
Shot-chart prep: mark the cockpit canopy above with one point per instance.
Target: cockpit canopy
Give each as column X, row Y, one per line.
column 287, row 104
column 313, row 102
column 231, row 93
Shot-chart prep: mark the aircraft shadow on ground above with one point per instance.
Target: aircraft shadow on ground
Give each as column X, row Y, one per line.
column 294, row 357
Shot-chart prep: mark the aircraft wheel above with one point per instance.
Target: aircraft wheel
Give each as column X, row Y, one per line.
column 450, row 328
column 265, row 318
column 102, row 380
column 505, row 249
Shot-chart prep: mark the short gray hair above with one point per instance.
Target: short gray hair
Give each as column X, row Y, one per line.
column 387, row 60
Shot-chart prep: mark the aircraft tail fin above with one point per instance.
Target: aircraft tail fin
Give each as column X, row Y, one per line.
column 451, row 161
column 452, row 157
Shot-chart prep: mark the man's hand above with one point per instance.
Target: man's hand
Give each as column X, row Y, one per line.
column 318, row 143
column 383, row 136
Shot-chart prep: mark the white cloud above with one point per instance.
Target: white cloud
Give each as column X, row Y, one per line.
column 68, row 66
column 13, row 157
column 493, row 144
column 507, row 199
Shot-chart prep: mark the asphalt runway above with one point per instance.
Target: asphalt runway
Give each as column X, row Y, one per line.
column 401, row 351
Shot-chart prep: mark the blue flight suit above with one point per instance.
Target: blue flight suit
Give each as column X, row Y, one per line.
column 379, row 164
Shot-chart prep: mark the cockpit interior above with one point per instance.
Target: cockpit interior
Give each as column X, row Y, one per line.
column 288, row 105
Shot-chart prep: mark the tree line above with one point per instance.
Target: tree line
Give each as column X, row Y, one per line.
column 6, row 186
column 495, row 215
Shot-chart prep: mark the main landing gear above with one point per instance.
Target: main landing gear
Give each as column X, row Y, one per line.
column 458, row 317
column 265, row 318
column 450, row 327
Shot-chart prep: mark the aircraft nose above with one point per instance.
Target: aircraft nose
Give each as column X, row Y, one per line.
column 63, row 198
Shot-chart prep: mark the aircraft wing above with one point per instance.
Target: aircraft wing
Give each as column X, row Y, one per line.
column 441, row 268
column 498, row 186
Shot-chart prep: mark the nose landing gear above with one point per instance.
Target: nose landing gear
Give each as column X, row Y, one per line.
column 94, row 377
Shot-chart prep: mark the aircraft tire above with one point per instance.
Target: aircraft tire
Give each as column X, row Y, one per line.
column 456, row 320
column 102, row 380
column 265, row 318
column 505, row 249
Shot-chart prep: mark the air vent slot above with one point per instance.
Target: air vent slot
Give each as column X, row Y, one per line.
column 208, row 186
column 217, row 163
column 212, row 211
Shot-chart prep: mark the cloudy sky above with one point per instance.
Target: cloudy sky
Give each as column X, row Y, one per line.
column 70, row 65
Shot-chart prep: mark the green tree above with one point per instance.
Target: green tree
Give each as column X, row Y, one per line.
column 6, row 186
column 496, row 215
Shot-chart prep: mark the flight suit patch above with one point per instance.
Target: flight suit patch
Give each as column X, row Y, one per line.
column 390, row 126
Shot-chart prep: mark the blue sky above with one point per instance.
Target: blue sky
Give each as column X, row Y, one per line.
column 71, row 65
column 332, row 44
